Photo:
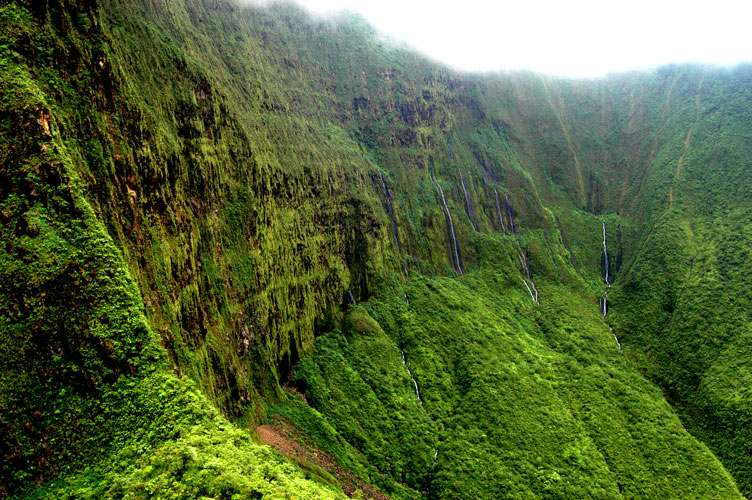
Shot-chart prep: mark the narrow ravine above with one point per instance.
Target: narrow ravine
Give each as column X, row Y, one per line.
column 557, row 107
column 430, row 472
column 690, row 131
column 429, row 478
column 451, row 227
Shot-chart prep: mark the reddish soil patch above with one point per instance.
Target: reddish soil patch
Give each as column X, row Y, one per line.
column 283, row 436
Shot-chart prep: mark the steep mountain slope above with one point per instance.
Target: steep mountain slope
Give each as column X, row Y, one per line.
column 203, row 204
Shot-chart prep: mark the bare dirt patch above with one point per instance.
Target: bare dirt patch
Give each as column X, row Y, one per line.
column 283, row 436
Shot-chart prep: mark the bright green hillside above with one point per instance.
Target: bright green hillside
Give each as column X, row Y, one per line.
column 215, row 217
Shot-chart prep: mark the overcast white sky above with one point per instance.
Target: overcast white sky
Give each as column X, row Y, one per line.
column 580, row 38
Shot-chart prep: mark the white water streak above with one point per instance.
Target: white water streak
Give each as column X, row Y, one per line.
column 510, row 214
column 615, row 337
column 522, row 257
column 394, row 226
column 532, row 296
column 604, row 301
column 498, row 210
column 451, row 226
column 404, row 362
column 467, row 202
column 605, row 255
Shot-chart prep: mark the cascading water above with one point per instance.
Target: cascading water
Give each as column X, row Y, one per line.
column 531, row 288
column 523, row 260
column 451, row 227
column 530, row 291
column 404, row 362
column 390, row 212
column 510, row 216
column 468, row 205
column 604, row 262
column 607, row 278
column 417, row 394
column 352, row 299
column 498, row 211
column 615, row 337
column 604, row 273
column 395, row 234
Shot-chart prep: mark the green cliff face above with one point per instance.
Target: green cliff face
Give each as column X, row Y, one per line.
column 216, row 217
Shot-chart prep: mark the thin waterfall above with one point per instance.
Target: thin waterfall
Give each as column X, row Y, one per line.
column 498, row 211
column 615, row 337
column 531, row 288
column 607, row 278
column 532, row 296
column 451, row 227
column 523, row 258
column 604, row 263
column 604, row 272
column 352, row 299
column 510, row 215
column 404, row 362
column 468, row 206
column 393, row 221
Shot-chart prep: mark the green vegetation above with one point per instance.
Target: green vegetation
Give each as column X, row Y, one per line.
column 192, row 193
column 521, row 401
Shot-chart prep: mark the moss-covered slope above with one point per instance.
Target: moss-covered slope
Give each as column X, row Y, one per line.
column 194, row 197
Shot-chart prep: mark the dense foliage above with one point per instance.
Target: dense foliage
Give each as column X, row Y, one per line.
column 202, row 204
